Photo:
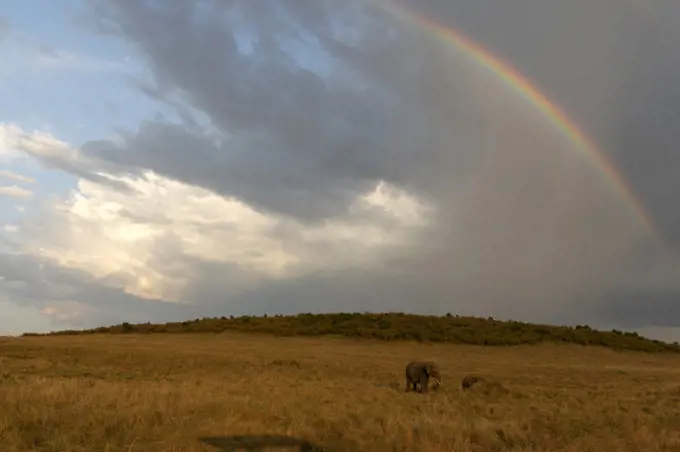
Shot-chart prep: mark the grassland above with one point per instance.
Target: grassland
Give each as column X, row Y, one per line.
column 164, row 392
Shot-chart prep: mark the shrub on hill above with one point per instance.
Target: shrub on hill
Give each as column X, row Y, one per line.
column 398, row 326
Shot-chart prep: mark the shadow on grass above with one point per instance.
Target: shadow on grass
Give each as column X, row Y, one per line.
column 259, row 442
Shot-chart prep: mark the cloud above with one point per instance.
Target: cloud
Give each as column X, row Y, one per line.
column 646, row 138
column 156, row 240
column 51, row 153
column 50, row 58
column 24, row 54
column 18, row 319
column 67, row 298
column 9, row 134
column 661, row 333
column 328, row 156
column 14, row 191
column 17, row 177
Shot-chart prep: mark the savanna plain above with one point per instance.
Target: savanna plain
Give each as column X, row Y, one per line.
column 211, row 392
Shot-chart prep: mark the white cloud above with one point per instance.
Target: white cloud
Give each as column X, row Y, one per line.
column 41, row 144
column 14, row 191
column 64, row 310
column 125, row 231
column 147, row 240
column 46, row 150
column 17, row 143
column 9, row 136
column 16, row 176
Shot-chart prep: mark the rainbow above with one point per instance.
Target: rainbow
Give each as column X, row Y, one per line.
column 534, row 96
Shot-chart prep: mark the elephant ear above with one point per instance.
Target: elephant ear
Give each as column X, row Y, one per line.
column 427, row 369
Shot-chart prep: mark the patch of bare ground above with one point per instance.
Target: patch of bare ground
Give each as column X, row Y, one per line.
column 214, row 392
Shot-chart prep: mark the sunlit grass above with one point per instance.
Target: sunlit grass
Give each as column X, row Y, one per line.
column 164, row 392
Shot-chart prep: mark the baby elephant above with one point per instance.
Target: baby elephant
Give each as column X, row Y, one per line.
column 471, row 380
column 419, row 373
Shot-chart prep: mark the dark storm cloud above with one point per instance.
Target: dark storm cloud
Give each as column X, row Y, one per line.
column 637, row 309
column 619, row 76
column 294, row 142
column 647, row 137
column 525, row 226
column 303, row 145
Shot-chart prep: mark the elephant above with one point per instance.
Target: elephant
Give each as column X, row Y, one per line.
column 470, row 380
column 419, row 373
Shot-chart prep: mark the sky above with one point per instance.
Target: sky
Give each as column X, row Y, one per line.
column 162, row 161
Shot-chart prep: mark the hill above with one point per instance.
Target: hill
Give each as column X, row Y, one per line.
column 399, row 326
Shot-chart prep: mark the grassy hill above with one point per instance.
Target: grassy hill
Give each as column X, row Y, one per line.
column 399, row 326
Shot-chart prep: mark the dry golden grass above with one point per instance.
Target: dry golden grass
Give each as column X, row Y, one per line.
column 164, row 392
